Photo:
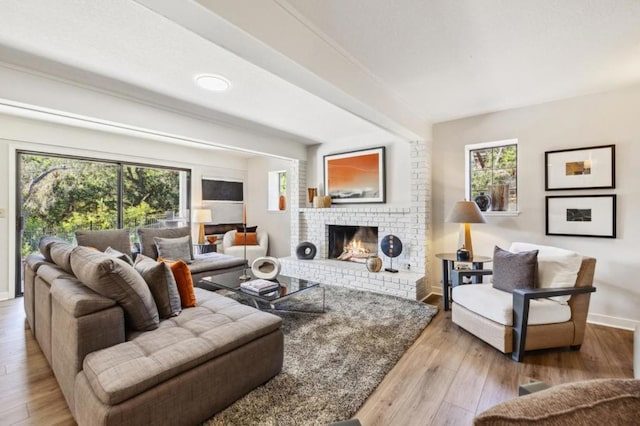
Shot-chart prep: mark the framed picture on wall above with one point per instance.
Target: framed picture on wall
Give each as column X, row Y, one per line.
column 581, row 216
column 580, row 168
column 355, row 176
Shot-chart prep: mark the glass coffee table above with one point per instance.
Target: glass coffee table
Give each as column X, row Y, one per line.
column 288, row 287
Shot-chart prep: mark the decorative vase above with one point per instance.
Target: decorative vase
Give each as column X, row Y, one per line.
column 306, row 250
column 311, row 194
column 483, row 201
column 499, row 197
column 374, row 264
column 463, row 254
column 282, row 203
column 266, row 267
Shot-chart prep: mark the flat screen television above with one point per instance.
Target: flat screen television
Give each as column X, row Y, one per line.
column 222, row 190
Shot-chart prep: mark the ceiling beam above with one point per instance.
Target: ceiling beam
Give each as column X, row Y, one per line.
column 271, row 37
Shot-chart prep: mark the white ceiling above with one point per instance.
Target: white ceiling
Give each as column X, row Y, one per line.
column 441, row 59
column 451, row 59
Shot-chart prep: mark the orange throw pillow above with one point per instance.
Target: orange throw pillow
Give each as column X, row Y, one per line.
column 252, row 239
column 182, row 274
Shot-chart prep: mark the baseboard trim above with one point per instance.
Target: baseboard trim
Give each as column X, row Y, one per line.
column 615, row 322
column 4, row 295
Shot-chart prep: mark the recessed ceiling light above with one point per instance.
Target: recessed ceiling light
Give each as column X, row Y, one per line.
column 215, row 83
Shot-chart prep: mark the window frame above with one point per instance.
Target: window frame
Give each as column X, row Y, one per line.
column 467, row 172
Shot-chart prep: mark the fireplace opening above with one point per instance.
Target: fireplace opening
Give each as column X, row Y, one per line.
column 352, row 243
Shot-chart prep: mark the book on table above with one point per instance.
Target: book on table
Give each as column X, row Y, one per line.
column 259, row 286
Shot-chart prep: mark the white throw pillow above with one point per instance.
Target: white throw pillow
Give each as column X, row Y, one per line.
column 556, row 267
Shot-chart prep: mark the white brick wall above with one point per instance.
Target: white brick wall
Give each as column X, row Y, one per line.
column 409, row 223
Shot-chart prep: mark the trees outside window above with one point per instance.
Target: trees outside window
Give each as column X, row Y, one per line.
column 60, row 195
column 491, row 164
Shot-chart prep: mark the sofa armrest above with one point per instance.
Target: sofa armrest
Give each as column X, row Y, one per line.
column 521, row 299
column 82, row 321
column 77, row 299
column 539, row 293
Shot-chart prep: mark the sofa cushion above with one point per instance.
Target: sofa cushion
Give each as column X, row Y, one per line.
column 174, row 248
column 61, row 255
column 215, row 327
column 116, row 280
column 148, row 245
column 78, row 299
column 514, row 270
column 119, row 255
column 603, row 401
column 119, row 239
column 182, row 275
column 35, row 260
column 556, row 267
column 44, row 245
column 497, row 305
column 214, row 261
column 162, row 284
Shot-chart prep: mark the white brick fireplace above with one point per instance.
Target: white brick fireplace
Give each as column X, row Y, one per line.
column 409, row 223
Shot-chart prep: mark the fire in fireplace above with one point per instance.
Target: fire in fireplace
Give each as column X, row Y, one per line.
column 352, row 243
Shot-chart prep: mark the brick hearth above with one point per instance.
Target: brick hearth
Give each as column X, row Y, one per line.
column 409, row 223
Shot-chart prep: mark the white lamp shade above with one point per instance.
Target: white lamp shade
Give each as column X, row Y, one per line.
column 466, row 212
column 202, row 215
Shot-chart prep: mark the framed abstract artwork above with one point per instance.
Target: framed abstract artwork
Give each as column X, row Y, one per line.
column 355, row 176
column 581, row 216
column 580, row 168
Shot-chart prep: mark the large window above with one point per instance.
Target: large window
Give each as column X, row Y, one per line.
column 492, row 175
column 60, row 195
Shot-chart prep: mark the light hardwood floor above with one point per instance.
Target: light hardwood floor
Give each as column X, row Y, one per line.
column 445, row 378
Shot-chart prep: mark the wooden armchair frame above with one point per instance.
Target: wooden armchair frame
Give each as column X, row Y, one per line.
column 579, row 303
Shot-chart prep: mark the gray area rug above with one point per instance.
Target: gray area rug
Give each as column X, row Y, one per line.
column 332, row 361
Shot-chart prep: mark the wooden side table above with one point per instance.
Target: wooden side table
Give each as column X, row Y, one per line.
column 448, row 264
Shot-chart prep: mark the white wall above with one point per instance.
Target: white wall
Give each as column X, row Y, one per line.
column 397, row 172
column 610, row 118
column 21, row 133
column 276, row 223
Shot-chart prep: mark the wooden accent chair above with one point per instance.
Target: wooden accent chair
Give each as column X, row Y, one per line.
column 536, row 321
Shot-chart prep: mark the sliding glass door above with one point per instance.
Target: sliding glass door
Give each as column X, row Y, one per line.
column 59, row 195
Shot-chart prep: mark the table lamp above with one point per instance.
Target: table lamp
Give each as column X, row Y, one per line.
column 465, row 213
column 201, row 216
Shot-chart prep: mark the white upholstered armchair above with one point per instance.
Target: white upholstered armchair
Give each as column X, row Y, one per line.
column 253, row 251
column 553, row 314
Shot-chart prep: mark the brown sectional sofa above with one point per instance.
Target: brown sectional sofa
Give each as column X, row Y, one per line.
column 182, row 372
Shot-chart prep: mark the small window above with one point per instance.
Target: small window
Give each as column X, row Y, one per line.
column 492, row 175
column 277, row 183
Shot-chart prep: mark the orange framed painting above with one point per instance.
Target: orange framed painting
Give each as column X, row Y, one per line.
column 355, row 176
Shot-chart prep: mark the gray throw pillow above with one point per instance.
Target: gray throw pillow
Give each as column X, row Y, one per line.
column 514, row 270
column 115, row 279
column 119, row 255
column 174, row 248
column 146, row 235
column 162, row 284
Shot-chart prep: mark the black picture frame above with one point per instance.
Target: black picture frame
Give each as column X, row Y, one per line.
column 581, row 215
column 592, row 167
column 365, row 168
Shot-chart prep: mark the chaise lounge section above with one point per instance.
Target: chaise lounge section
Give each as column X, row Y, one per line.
column 118, row 363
